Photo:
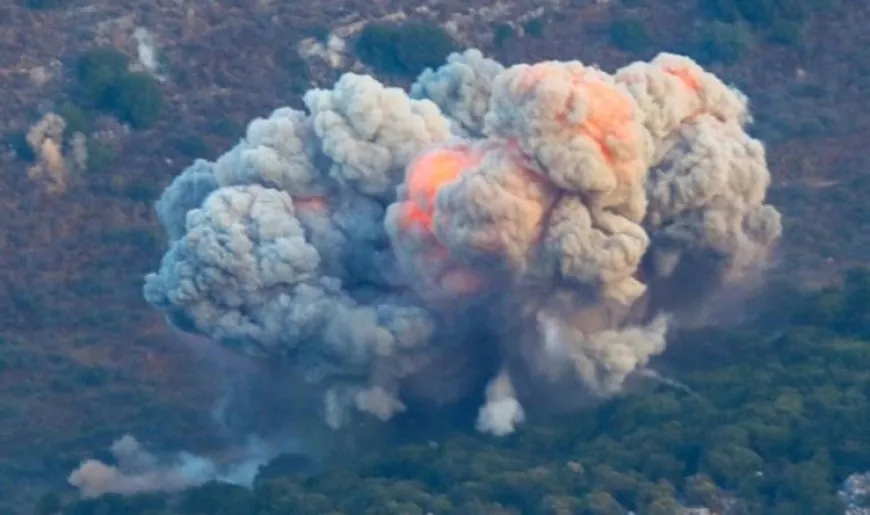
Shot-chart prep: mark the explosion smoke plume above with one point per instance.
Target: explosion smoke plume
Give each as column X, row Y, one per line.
column 138, row 471
column 550, row 213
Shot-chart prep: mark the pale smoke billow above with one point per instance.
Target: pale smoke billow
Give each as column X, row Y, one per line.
column 139, row 471
column 535, row 226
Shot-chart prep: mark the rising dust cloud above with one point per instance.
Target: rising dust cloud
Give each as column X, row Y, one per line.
column 535, row 229
column 139, row 471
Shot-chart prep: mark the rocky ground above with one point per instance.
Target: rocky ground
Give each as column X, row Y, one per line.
column 83, row 359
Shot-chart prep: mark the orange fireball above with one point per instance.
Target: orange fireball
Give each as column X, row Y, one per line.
column 426, row 175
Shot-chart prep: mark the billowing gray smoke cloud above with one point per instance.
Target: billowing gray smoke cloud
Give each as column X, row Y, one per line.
column 461, row 88
column 539, row 217
column 186, row 192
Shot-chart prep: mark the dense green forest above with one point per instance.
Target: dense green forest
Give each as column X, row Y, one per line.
column 777, row 418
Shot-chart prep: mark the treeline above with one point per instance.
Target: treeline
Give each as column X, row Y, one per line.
column 734, row 27
column 777, row 417
column 726, row 30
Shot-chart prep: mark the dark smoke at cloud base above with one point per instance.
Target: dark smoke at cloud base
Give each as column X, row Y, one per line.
column 524, row 236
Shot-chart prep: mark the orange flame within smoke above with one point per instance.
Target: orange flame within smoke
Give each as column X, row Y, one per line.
column 313, row 203
column 690, row 78
column 610, row 119
column 425, row 177
column 687, row 75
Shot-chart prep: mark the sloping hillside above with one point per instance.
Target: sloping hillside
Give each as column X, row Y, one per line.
column 83, row 359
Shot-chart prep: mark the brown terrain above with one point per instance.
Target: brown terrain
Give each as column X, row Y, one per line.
column 83, row 359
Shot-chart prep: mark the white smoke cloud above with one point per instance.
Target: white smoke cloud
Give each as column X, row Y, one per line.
column 502, row 411
column 532, row 227
column 146, row 49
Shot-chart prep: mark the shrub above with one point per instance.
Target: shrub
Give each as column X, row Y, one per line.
column 106, row 84
column 96, row 71
column 18, row 141
column 135, row 98
column 762, row 13
column 724, row 42
column 404, row 49
column 285, row 465
column 215, row 498
column 101, row 157
column 141, row 190
column 297, row 68
column 93, row 377
column 534, row 27
column 501, row 33
column 602, row 503
column 629, row 35
column 319, row 32
column 48, row 504
column 40, row 5
column 731, row 11
column 192, row 145
column 116, row 504
column 226, row 127
column 788, row 33
column 75, row 117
